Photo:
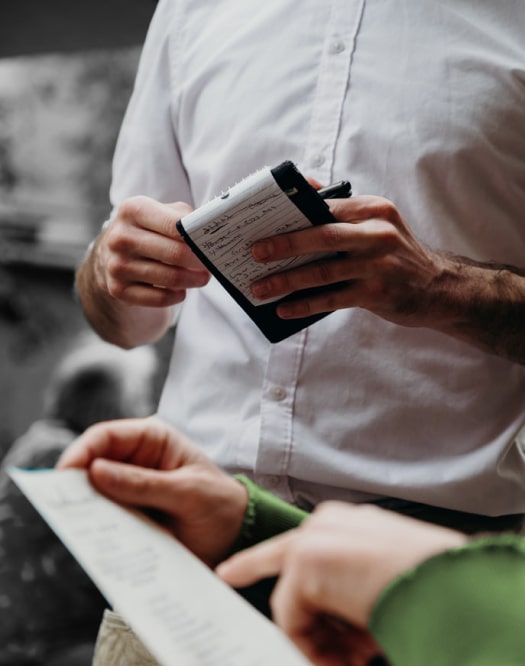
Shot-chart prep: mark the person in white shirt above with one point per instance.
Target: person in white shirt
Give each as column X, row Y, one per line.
column 412, row 392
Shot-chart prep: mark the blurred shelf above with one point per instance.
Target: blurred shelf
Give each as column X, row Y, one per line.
column 32, row 239
column 63, row 256
column 56, row 26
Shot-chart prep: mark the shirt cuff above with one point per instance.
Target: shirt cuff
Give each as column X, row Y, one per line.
column 465, row 606
column 266, row 515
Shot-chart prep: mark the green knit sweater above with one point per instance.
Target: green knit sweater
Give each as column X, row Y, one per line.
column 464, row 607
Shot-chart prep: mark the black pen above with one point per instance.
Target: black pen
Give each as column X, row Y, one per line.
column 339, row 190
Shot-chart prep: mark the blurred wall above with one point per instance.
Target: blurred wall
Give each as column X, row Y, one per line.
column 66, row 73
column 51, row 26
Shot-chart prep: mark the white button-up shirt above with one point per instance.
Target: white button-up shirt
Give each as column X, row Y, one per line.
column 420, row 101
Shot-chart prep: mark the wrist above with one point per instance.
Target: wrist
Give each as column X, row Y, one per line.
column 265, row 516
column 480, row 303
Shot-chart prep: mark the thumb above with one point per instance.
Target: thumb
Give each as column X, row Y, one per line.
column 130, row 484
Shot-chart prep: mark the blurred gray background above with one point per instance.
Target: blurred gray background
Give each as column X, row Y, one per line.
column 66, row 73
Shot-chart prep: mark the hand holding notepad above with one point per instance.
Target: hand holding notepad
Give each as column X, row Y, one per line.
column 265, row 204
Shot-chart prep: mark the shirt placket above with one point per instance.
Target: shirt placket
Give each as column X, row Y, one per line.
column 334, row 77
column 284, row 363
column 277, row 411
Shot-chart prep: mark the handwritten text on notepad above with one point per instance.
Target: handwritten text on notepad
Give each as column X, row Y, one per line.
column 226, row 228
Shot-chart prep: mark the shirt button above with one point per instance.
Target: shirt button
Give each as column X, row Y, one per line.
column 272, row 481
column 318, row 160
column 278, row 393
column 337, row 47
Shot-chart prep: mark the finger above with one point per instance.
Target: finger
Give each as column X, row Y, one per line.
column 122, row 274
column 261, row 561
column 340, row 297
column 149, row 214
column 292, row 613
column 152, row 272
column 373, row 235
column 119, row 440
column 124, row 240
column 315, row 274
column 363, row 207
column 146, row 295
column 314, row 183
column 136, row 486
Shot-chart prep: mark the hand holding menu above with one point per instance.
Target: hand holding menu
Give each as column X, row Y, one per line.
column 182, row 612
column 222, row 232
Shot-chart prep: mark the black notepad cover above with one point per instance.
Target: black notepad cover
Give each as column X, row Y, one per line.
column 313, row 206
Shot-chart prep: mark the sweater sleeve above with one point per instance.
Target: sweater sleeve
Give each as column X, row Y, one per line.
column 465, row 606
column 266, row 516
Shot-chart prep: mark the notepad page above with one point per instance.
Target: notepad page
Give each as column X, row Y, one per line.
column 225, row 229
column 182, row 612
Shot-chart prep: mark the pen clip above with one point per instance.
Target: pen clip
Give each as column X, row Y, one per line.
column 340, row 190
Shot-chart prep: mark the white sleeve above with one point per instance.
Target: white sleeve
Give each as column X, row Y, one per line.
column 147, row 159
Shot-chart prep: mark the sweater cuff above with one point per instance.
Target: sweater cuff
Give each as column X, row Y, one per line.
column 266, row 515
column 463, row 606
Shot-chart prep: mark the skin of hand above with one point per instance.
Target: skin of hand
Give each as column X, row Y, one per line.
column 138, row 264
column 149, row 465
column 378, row 264
column 335, row 565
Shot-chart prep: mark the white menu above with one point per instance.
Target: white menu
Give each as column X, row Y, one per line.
column 183, row 613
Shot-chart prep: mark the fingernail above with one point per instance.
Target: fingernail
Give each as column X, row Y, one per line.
column 221, row 568
column 260, row 289
column 284, row 311
column 262, row 250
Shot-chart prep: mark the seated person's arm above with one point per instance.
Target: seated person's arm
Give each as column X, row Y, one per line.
column 427, row 594
column 464, row 606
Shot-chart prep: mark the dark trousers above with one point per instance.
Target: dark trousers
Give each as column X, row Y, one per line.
column 469, row 523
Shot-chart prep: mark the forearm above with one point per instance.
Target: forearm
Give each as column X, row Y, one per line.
column 120, row 324
column 482, row 304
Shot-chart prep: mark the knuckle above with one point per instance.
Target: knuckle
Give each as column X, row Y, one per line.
column 323, row 271
column 280, row 282
column 333, row 234
column 115, row 267
column 331, row 301
column 116, row 289
column 324, row 509
column 286, row 244
column 387, row 210
column 139, row 482
column 132, row 207
column 175, row 253
column 389, row 237
column 180, row 208
column 377, row 291
column 117, row 238
column 93, row 432
column 167, row 224
column 172, row 278
column 171, row 297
